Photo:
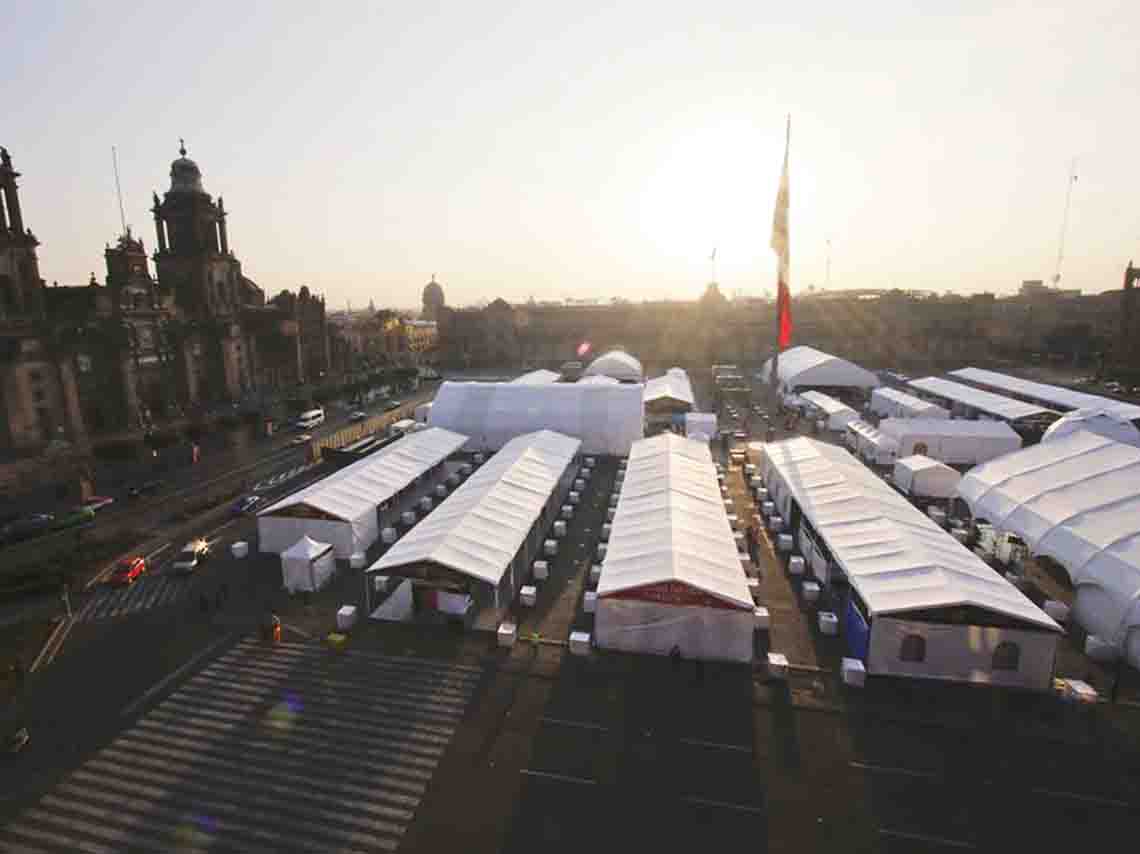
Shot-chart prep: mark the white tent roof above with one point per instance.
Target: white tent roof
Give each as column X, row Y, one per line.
column 894, row 556
column 607, row 418
column 306, row 548
column 828, row 404
column 913, row 406
column 538, row 377
column 1076, row 500
column 617, row 364
column 899, row 428
column 872, row 435
column 673, row 385
column 479, row 528
column 993, row 404
column 806, row 366
column 598, row 379
column 671, row 525
column 1110, row 423
column 360, row 487
column 1052, row 395
column 924, row 476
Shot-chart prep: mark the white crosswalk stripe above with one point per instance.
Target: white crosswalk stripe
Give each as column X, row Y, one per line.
column 150, row 591
column 268, row 748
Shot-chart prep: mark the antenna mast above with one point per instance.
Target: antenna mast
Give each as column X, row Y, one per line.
column 1065, row 220
column 118, row 188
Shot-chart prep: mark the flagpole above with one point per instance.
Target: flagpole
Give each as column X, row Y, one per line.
column 781, row 285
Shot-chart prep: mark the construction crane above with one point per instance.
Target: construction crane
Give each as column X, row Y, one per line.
column 1065, row 221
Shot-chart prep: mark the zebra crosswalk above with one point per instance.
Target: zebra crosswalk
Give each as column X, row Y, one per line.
column 268, row 749
column 150, row 591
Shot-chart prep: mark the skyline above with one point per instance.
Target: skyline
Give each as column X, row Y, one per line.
column 562, row 153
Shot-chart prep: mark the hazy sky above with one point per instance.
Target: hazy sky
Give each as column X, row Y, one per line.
column 577, row 149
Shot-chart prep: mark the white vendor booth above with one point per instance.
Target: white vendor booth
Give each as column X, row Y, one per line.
column 923, row 477
column 835, row 412
column 307, row 565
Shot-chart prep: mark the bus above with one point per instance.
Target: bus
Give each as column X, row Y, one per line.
column 310, row 418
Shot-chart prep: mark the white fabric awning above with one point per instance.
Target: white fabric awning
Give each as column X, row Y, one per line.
column 671, row 525
column 1049, row 395
column 996, row 405
column 672, row 385
column 306, row 548
column 362, row 486
column 478, row 529
column 895, row 557
column 806, row 366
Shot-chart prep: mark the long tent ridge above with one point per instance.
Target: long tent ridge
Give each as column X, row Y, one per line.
column 893, row 403
column 671, row 526
column 997, row 405
column 838, row 413
column 896, row 558
column 480, row 528
column 1077, row 501
column 1050, row 395
column 807, row 367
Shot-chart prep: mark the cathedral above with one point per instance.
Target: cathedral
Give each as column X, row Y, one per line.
column 113, row 356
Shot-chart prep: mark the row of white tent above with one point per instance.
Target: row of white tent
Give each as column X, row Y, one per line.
column 892, row 403
column 672, row 576
column 671, row 387
column 954, row 442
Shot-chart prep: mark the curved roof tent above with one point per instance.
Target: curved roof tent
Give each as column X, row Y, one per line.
column 805, row 366
column 1077, row 501
column 1110, row 423
column 617, row 364
column 673, row 385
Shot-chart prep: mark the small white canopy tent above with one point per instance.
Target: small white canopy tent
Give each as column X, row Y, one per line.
column 307, row 565
column 904, row 571
column 802, row 367
column 670, row 389
column 925, row 478
column 672, row 574
column 871, row 444
column 1107, row 422
column 1077, row 501
column 619, row 365
column 954, row 442
column 606, row 418
column 341, row 508
column 837, row 413
column 892, row 403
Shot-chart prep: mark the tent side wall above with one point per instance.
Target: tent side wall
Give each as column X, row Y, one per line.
column 275, row 534
column 653, row 627
column 961, row 653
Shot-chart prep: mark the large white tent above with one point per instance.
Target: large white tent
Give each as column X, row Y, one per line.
column 955, row 442
column 341, row 509
column 671, row 389
column 598, row 379
column 835, row 412
column 1052, row 396
column 965, row 398
column 607, row 418
column 619, row 365
column 307, row 565
column 892, row 403
column 920, row 603
column 806, row 367
column 481, row 539
column 672, row 574
column 923, row 477
column 1108, row 422
column 539, row 377
column 871, row 444
column 1077, row 501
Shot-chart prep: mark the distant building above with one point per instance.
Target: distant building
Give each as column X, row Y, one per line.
column 433, row 300
column 1037, row 289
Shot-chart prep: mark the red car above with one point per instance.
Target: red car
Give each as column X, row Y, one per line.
column 128, row 569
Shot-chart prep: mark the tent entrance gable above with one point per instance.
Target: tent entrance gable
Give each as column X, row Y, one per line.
column 432, row 574
column 304, row 511
column 672, row 593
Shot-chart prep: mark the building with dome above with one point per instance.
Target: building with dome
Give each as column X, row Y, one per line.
column 433, row 300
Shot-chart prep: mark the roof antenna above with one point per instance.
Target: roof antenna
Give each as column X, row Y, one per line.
column 118, row 188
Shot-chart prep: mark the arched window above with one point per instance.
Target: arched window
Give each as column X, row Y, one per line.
column 913, row 648
column 1007, row 656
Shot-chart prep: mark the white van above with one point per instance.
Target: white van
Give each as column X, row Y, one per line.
column 310, row 418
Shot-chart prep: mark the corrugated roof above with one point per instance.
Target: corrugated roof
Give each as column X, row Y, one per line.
column 360, row 487
column 898, row 428
column 916, row 406
column 893, row 555
column 480, row 527
column 673, row 384
column 671, row 524
column 827, row 403
column 1053, row 395
column 983, row 401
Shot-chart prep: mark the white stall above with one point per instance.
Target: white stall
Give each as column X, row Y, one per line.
column 307, row 565
column 924, row 477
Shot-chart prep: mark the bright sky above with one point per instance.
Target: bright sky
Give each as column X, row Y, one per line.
column 577, row 149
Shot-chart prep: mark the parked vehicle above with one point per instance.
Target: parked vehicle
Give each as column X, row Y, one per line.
column 26, row 528
column 146, row 488
column 358, row 415
column 393, row 404
column 192, row 556
column 303, row 439
column 128, row 570
column 246, row 505
column 98, row 502
column 310, row 418
column 78, row 516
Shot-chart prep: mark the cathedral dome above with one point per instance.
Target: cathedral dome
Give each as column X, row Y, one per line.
column 184, row 174
column 433, row 299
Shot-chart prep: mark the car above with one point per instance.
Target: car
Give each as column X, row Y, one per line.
column 246, row 505
column 191, row 556
column 358, row 415
column 146, row 488
column 98, row 502
column 303, row 439
column 78, row 516
column 26, row 528
column 393, row 404
column 128, row 570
